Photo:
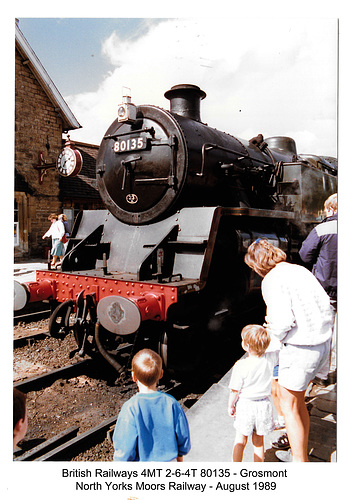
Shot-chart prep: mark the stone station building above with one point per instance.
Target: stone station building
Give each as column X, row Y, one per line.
column 41, row 118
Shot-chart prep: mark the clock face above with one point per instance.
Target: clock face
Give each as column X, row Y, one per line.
column 69, row 162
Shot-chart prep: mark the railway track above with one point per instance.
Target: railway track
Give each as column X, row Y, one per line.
column 73, row 408
column 67, row 444
column 28, row 339
column 31, row 316
column 44, row 380
column 71, row 442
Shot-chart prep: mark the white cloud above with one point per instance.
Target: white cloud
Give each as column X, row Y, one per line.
column 270, row 76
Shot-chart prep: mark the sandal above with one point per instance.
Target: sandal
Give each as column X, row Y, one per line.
column 282, row 443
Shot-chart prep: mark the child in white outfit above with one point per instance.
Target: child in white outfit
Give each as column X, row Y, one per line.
column 250, row 386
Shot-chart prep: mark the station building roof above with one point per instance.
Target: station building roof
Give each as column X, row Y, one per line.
column 69, row 120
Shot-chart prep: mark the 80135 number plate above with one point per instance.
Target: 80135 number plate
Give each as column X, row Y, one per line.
column 130, row 144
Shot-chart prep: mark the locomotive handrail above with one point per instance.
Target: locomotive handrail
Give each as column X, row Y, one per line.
column 171, row 179
column 151, row 130
column 207, row 146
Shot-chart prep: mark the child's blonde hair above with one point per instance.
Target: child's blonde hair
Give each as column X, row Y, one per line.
column 262, row 256
column 147, row 367
column 257, row 338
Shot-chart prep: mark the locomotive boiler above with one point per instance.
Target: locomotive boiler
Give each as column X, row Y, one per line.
column 163, row 265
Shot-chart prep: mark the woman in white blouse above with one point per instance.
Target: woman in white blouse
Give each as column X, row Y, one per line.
column 56, row 231
column 300, row 316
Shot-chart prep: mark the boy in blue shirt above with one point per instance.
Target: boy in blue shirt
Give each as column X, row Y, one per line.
column 151, row 426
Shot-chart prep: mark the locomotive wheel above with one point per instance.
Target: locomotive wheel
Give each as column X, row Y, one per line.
column 182, row 352
column 162, row 348
column 59, row 322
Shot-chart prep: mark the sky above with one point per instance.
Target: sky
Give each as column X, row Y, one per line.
column 260, row 76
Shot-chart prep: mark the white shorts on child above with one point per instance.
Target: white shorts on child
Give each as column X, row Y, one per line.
column 254, row 416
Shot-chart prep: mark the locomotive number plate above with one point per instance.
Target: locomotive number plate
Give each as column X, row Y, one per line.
column 130, row 144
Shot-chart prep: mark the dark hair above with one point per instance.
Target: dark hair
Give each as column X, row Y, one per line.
column 147, row 366
column 19, row 406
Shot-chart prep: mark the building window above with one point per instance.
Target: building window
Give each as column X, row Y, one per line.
column 16, row 232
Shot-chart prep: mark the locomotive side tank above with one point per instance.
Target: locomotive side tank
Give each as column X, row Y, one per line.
column 163, row 265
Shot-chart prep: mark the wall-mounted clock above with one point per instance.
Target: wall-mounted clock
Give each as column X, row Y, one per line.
column 69, row 162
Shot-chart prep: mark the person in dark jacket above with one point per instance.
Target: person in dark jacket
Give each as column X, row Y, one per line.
column 319, row 251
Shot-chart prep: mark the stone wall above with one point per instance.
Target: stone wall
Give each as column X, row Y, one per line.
column 38, row 128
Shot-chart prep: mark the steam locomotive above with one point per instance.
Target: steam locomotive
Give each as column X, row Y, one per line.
column 163, row 265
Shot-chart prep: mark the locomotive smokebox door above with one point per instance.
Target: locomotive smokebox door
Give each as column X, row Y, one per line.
column 142, row 167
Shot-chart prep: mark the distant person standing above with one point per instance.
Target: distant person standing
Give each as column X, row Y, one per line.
column 319, row 252
column 57, row 232
column 63, row 219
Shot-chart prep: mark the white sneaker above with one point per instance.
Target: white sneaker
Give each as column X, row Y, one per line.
column 284, row 456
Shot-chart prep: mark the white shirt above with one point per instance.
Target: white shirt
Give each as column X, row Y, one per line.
column 252, row 376
column 298, row 308
column 56, row 230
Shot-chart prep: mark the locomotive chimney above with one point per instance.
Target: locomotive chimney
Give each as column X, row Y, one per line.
column 185, row 100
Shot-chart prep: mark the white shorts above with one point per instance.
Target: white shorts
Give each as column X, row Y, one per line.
column 254, row 416
column 298, row 365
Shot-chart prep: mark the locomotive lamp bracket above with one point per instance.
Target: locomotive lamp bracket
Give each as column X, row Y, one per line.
column 127, row 112
column 101, row 170
column 43, row 166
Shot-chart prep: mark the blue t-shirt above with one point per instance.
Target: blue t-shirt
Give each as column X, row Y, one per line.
column 151, row 427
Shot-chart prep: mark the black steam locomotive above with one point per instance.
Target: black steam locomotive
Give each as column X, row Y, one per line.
column 163, row 264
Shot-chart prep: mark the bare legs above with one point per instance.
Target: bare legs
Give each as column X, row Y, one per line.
column 297, row 422
column 240, row 443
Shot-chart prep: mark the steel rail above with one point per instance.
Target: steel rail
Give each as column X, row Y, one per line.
column 80, row 443
column 89, row 438
column 41, row 381
column 48, row 445
column 27, row 339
